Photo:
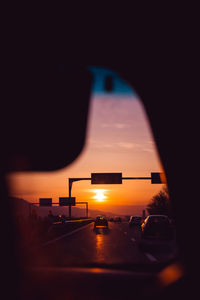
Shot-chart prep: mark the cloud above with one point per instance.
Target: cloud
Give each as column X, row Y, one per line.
column 97, row 144
column 148, row 150
column 122, row 145
column 121, row 125
column 115, row 125
column 127, row 145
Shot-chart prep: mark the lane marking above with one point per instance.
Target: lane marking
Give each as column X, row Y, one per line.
column 151, row 257
column 67, row 234
column 133, row 240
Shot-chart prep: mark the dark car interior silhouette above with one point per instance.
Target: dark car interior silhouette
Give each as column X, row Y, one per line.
column 34, row 113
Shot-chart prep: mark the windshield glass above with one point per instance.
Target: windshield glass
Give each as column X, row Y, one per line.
column 56, row 212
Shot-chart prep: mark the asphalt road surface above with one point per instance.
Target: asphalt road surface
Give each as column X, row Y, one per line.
column 116, row 245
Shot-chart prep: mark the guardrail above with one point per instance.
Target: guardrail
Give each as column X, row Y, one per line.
column 72, row 221
column 59, row 228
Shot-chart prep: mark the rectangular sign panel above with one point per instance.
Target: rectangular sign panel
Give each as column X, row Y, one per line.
column 45, row 201
column 158, row 178
column 106, row 178
column 66, row 201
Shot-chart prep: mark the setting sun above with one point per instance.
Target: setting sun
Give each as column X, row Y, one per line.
column 99, row 195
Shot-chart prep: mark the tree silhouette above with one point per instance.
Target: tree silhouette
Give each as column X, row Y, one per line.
column 160, row 203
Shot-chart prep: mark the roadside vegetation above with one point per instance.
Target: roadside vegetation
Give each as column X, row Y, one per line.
column 160, row 203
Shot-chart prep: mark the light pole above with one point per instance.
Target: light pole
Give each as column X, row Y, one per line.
column 114, row 178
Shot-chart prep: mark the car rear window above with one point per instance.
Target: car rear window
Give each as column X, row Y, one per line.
column 158, row 220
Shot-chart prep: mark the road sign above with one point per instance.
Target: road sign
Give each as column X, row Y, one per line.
column 45, row 201
column 106, row 178
column 66, row 201
column 158, row 178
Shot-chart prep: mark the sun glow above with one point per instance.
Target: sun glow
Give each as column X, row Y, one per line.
column 99, row 195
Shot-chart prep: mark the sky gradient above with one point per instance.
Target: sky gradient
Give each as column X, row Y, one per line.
column 118, row 139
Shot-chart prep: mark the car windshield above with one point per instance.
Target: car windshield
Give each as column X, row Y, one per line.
column 118, row 175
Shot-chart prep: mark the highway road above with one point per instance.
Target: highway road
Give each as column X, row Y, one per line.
column 118, row 244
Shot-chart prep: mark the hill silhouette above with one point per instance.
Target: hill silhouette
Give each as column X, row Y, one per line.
column 22, row 208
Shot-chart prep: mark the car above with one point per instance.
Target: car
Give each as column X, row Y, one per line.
column 135, row 221
column 117, row 219
column 101, row 221
column 156, row 227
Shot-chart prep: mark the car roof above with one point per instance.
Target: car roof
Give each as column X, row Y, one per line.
column 158, row 216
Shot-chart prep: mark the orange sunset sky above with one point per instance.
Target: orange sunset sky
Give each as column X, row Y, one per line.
column 119, row 139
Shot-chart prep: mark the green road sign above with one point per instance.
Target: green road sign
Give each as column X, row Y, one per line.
column 106, row 178
column 157, row 178
column 45, row 201
column 66, row 201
